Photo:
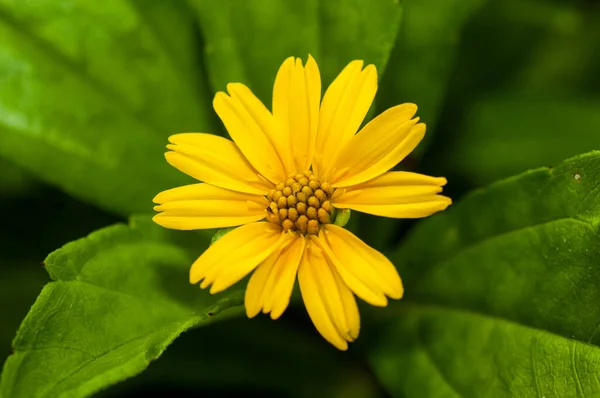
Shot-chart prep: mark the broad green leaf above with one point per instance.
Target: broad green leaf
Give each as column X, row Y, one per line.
column 502, row 292
column 118, row 299
column 423, row 55
column 441, row 352
column 508, row 134
column 246, row 41
column 89, row 109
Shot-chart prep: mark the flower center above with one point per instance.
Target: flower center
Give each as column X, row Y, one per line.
column 301, row 203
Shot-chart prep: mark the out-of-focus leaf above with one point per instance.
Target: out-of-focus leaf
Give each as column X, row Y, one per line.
column 247, row 41
column 562, row 61
column 90, row 91
column 547, row 49
column 423, row 55
column 524, row 97
column 502, row 292
column 13, row 179
column 118, row 299
column 509, row 134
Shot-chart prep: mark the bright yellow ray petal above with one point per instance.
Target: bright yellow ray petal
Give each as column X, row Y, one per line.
column 397, row 194
column 252, row 127
column 200, row 206
column 329, row 291
column 272, row 278
column 314, row 301
column 364, row 261
column 296, row 99
column 215, row 160
column 286, row 268
column 281, row 111
column 235, row 255
column 378, row 147
column 345, row 105
column 350, row 307
column 261, row 281
column 422, row 207
column 364, row 285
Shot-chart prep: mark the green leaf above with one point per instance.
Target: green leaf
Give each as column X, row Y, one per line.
column 523, row 97
column 14, row 180
column 510, row 133
column 20, row 284
column 441, row 352
column 118, row 299
column 423, row 55
column 89, row 110
column 502, row 292
column 247, row 41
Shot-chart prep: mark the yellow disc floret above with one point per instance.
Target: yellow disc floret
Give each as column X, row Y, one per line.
column 301, row 203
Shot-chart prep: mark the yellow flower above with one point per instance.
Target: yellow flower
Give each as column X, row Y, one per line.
column 283, row 178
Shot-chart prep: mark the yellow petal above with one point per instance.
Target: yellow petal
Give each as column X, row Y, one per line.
column 345, row 105
column 350, row 307
column 215, row 160
column 262, row 281
column 338, row 299
column 397, row 194
column 364, row 284
column 318, row 301
column 252, row 127
column 378, row 147
column 201, row 206
column 296, row 98
column 235, row 255
column 364, row 261
column 283, row 274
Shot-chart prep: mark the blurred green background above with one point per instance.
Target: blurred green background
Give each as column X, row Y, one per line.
column 514, row 85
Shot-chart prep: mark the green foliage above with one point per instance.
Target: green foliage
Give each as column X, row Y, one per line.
column 423, row 55
column 524, row 97
column 507, row 134
column 118, row 298
column 501, row 289
column 247, row 41
column 89, row 110
column 13, row 179
column 502, row 292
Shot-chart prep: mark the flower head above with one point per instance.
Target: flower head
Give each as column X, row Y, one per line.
column 284, row 178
